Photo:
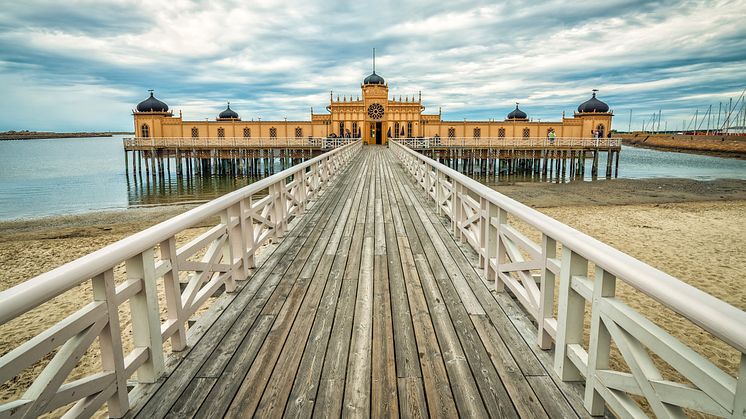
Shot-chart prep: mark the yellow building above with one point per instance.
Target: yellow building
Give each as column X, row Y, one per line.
column 375, row 117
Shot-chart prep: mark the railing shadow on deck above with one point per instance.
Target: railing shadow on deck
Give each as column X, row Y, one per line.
column 214, row 260
column 587, row 271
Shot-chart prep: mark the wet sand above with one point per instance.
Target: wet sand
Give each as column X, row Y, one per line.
column 692, row 230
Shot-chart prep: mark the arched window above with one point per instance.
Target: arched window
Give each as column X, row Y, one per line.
column 273, row 132
column 501, row 133
column 600, row 130
column 451, row 132
column 409, row 129
column 145, row 131
column 298, row 132
column 341, row 128
column 354, row 129
column 477, row 132
column 247, row 132
column 396, row 130
column 221, row 132
column 526, row 133
column 195, row 132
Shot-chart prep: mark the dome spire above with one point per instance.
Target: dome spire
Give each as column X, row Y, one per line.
column 374, row 78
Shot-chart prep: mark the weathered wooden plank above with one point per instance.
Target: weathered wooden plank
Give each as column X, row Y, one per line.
column 357, row 385
column 303, row 394
column 521, row 392
column 463, row 385
column 405, row 348
column 495, row 397
column 278, row 388
column 384, row 400
column 332, row 383
column 440, row 398
column 248, row 396
column 412, row 397
column 186, row 406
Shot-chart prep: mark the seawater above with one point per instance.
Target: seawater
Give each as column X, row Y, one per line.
column 74, row 175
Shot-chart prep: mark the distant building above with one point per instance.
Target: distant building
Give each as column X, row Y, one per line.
column 375, row 117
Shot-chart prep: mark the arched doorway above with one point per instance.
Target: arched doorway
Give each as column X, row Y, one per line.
column 600, row 130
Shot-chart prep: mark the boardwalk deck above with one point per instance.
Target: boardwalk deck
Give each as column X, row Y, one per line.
column 368, row 307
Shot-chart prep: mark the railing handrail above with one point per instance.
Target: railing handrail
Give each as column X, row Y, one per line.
column 29, row 294
column 710, row 313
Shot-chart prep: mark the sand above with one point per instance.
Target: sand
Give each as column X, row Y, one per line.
column 690, row 229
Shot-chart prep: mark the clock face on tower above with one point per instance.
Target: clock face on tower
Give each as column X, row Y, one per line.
column 375, row 111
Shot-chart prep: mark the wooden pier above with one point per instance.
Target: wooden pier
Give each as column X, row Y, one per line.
column 369, row 308
column 369, row 282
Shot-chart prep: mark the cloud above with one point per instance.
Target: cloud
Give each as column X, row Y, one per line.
column 82, row 65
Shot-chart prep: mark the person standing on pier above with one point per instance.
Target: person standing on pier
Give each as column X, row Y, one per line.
column 551, row 135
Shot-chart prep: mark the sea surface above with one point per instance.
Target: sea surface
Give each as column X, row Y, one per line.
column 73, row 175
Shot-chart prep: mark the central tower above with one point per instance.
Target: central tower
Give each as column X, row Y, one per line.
column 375, row 105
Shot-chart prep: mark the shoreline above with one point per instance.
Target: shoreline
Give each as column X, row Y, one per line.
column 534, row 194
column 33, row 135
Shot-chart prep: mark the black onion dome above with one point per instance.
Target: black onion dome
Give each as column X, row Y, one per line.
column 152, row 104
column 593, row 105
column 517, row 114
column 228, row 113
column 374, row 79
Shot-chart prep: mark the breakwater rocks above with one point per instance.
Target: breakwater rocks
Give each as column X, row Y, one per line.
column 733, row 146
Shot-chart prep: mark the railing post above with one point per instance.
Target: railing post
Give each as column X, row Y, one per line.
column 110, row 342
column 315, row 177
column 247, row 230
column 739, row 407
column 428, row 179
column 234, row 253
column 599, row 347
column 300, row 178
column 570, row 314
column 146, row 324
column 548, row 281
column 488, row 235
column 280, row 208
column 456, row 210
column 439, row 198
column 502, row 218
column 172, row 290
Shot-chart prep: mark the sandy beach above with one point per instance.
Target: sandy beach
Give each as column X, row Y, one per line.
column 692, row 230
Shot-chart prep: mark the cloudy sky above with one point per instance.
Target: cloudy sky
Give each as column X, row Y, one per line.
column 83, row 65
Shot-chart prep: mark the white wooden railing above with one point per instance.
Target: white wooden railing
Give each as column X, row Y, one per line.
column 479, row 216
column 511, row 142
column 237, row 142
column 217, row 258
